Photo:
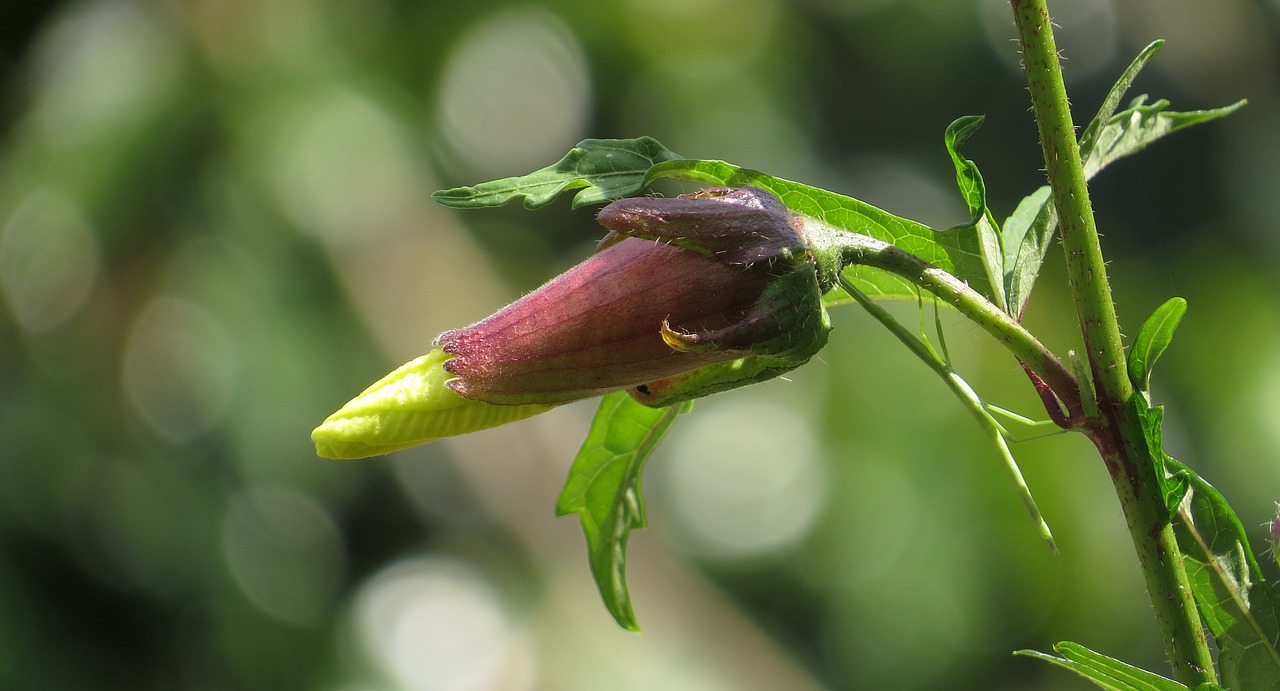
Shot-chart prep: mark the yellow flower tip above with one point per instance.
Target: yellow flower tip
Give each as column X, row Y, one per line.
column 408, row 407
column 350, row 438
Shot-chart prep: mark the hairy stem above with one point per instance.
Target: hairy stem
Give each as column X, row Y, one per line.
column 1116, row 430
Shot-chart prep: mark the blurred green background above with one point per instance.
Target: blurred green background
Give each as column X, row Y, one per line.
column 215, row 229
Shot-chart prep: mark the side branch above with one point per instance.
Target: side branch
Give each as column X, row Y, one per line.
column 868, row 251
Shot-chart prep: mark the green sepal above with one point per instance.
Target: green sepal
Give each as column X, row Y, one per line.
column 787, row 326
column 786, row 321
column 956, row 251
column 704, row 381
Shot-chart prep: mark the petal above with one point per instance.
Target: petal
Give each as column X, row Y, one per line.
column 597, row 327
column 409, row 406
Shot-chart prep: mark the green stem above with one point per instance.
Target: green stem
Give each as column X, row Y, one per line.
column 1116, row 431
column 868, row 251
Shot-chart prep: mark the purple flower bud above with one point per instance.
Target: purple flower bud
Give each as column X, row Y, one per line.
column 678, row 285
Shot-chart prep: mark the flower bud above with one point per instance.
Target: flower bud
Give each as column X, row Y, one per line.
column 678, row 285
column 684, row 297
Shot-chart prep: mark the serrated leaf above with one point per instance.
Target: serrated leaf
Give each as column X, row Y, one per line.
column 1109, row 137
column 603, row 488
column 1152, row 340
column 1240, row 608
column 974, row 191
column 1142, row 123
column 605, row 169
column 1106, row 672
column 956, row 251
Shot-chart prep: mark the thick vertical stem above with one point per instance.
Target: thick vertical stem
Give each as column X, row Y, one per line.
column 1086, row 269
column 1116, row 432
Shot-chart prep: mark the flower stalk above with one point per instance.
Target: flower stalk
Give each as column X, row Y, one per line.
column 868, row 251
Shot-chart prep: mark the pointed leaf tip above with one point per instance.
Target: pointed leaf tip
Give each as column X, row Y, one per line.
column 603, row 488
column 1105, row 672
column 1153, row 339
column 981, row 224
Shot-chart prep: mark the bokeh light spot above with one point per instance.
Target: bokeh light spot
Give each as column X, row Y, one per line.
column 284, row 552
column 102, row 63
column 341, row 169
column 730, row 113
column 178, row 368
column 437, row 624
column 48, row 260
column 515, row 94
column 1087, row 33
column 710, row 37
column 892, row 182
column 744, row 480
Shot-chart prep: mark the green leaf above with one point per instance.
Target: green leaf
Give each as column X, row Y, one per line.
column 1152, row 339
column 1132, row 129
column 605, row 169
column 974, row 191
column 956, row 251
column 1241, row 609
column 603, row 487
column 1089, row 137
column 1026, row 237
column 1028, row 232
column 1108, row 673
column 1173, row 485
column 1109, row 137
